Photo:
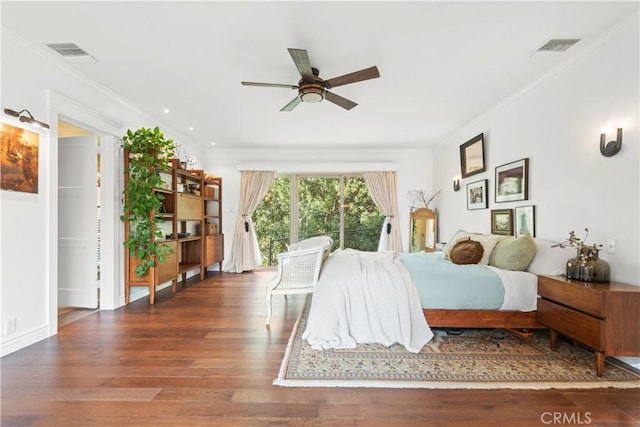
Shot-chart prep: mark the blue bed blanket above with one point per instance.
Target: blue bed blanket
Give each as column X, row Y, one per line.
column 444, row 285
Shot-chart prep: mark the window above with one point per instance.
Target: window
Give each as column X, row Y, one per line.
column 338, row 206
column 271, row 220
column 362, row 218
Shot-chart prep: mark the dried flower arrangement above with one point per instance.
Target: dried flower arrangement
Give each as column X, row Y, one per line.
column 585, row 251
column 420, row 198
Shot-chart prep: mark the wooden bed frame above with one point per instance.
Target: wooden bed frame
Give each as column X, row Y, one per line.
column 482, row 319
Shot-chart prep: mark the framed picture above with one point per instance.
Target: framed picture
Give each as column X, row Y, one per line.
column 477, row 195
column 512, row 181
column 19, row 159
column 472, row 156
column 525, row 220
column 502, row 221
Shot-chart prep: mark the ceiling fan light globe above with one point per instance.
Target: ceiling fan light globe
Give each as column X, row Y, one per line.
column 311, row 97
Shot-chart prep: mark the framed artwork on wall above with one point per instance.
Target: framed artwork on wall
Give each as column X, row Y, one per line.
column 19, row 159
column 512, row 181
column 525, row 220
column 477, row 195
column 472, row 156
column 502, row 221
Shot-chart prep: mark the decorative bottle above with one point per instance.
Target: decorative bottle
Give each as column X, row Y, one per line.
column 588, row 267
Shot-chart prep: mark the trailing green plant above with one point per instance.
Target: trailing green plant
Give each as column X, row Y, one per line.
column 149, row 153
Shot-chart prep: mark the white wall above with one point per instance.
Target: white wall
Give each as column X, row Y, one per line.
column 31, row 79
column 557, row 124
column 413, row 166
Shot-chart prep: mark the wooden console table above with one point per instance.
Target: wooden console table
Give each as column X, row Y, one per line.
column 602, row 316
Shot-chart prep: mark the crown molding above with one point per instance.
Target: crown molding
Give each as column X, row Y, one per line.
column 317, row 167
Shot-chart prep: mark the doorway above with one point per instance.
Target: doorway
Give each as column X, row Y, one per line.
column 79, row 206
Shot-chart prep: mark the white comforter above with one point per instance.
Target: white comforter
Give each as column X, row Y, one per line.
column 365, row 297
column 520, row 289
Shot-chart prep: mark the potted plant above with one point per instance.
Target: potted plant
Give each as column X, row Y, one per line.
column 149, row 153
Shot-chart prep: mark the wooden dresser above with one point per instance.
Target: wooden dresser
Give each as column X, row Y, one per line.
column 602, row 316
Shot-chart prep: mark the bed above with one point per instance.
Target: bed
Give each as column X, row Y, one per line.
column 472, row 296
column 386, row 297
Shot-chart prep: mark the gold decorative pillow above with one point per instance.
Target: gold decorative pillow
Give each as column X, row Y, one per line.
column 466, row 252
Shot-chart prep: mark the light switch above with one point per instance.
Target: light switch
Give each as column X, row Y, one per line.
column 611, row 246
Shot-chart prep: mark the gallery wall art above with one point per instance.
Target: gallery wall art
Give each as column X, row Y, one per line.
column 19, row 159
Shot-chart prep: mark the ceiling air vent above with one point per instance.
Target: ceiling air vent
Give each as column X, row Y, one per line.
column 557, row 45
column 71, row 52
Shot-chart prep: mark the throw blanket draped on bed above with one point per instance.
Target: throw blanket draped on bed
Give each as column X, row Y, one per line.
column 365, row 297
column 442, row 284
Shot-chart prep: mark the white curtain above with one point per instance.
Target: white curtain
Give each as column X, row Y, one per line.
column 382, row 186
column 245, row 253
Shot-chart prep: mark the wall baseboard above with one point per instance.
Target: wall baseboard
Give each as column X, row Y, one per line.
column 17, row 342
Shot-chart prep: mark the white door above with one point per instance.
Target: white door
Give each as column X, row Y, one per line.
column 77, row 222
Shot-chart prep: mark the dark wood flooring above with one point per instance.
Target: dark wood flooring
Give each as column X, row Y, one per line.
column 203, row 357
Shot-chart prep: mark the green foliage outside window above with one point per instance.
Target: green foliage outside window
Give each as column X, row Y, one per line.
column 271, row 219
column 318, row 214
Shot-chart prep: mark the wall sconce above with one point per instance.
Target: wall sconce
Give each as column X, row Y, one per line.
column 612, row 147
column 456, row 184
column 27, row 117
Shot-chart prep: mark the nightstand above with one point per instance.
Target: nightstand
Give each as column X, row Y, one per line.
column 602, row 316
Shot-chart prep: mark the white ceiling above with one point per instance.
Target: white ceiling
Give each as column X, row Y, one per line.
column 441, row 63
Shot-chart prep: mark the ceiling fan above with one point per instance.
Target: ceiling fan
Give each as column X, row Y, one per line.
column 311, row 88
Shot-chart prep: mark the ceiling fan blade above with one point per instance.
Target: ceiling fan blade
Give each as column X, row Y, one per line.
column 291, row 105
column 301, row 59
column 269, row 85
column 356, row 76
column 339, row 100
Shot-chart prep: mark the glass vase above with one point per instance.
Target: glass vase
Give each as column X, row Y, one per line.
column 587, row 266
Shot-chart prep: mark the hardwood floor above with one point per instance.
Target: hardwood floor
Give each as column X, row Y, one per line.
column 203, row 357
column 68, row 315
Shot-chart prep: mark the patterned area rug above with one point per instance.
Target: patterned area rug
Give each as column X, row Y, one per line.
column 476, row 359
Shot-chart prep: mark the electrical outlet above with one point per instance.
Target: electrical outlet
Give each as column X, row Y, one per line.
column 10, row 326
column 611, row 246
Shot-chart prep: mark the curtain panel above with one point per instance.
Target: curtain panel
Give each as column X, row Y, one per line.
column 245, row 252
column 382, row 186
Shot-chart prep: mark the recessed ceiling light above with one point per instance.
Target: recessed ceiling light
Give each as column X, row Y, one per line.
column 191, row 128
column 213, row 143
column 166, row 110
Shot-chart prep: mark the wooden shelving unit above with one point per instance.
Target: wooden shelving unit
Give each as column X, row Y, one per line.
column 192, row 214
column 212, row 207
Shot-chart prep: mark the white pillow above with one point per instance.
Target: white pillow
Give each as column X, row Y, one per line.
column 447, row 247
column 550, row 261
column 488, row 242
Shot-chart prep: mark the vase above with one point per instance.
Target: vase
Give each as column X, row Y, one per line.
column 588, row 267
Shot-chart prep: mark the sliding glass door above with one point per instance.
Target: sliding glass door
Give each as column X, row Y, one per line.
column 338, row 206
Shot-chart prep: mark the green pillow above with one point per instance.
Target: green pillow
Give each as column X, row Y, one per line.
column 513, row 254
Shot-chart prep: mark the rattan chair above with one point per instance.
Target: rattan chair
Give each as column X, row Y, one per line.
column 298, row 270
column 325, row 241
